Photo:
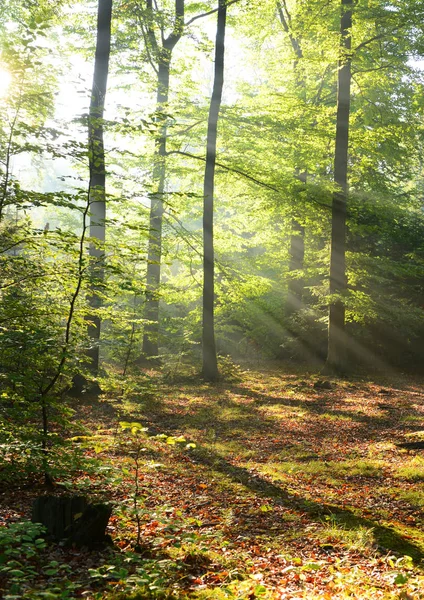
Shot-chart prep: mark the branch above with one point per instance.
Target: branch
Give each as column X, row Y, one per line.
column 380, row 68
column 26, row 278
column 286, row 21
column 218, row 263
column 190, row 233
column 186, row 129
column 149, row 37
column 177, row 31
column 321, row 86
column 8, row 248
column 263, row 184
column 373, row 39
column 206, row 14
column 230, row 169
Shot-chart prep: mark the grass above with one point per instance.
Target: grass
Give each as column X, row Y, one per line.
column 414, row 497
column 328, row 471
column 412, row 470
column 360, row 539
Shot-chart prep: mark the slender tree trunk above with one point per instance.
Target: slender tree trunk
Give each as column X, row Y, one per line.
column 336, row 356
column 210, row 365
column 163, row 53
column 154, row 255
column 297, row 237
column 296, row 257
column 98, row 172
column 7, row 173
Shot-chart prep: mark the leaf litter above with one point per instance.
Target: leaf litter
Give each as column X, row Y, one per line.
column 271, row 487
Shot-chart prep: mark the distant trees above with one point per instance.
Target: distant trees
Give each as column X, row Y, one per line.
column 159, row 48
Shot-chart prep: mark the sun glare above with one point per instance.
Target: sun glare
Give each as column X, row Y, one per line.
column 5, row 81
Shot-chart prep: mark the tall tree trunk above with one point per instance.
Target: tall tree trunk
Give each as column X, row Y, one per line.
column 162, row 52
column 336, row 356
column 297, row 237
column 97, row 191
column 154, row 255
column 210, row 365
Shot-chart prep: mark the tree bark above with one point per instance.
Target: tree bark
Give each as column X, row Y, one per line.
column 336, row 354
column 97, row 192
column 163, row 55
column 296, row 258
column 210, row 365
column 154, row 254
column 297, row 237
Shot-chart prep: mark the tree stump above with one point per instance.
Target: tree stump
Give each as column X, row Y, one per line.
column 72, row 519
column 90, row 529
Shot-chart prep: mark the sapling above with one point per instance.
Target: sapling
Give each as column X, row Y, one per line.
column 137, row 448
column 45, row 390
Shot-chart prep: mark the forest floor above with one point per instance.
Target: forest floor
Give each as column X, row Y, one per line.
column 262, row 486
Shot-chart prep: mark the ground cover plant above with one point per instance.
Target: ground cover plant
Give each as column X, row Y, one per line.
column 266, row 485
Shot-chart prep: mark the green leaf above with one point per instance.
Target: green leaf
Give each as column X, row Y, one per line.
column 16, row 573
column 259, row 590
column 400, row 579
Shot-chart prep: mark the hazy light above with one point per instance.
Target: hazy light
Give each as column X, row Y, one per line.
column 5, row 81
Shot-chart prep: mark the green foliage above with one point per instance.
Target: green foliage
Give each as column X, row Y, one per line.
column 20, row 544
column 134, row 577
column 23, row 560
column 39, row 279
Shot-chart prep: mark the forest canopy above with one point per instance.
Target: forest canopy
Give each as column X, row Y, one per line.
column 309, row 212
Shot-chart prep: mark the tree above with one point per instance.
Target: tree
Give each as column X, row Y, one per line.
column 336, row 353
column 159, row 51
column 97, row 185
column 297, row 238
column 210, row 365
column 160, row 54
